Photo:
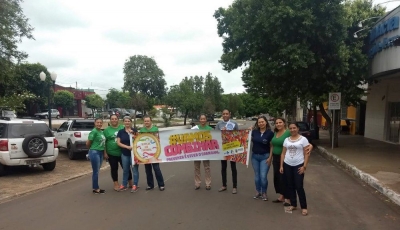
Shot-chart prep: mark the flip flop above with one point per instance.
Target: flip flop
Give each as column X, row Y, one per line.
column 277, row 201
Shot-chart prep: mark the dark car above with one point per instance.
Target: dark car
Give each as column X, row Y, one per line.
column 304, row 130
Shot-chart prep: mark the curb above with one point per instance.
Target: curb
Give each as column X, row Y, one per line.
column 11, row 197
column 370, row 180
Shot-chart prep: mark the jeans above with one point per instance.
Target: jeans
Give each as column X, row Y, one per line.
column 96, row 159
column 126, row 167
column 278, row 177
column 261, row 168
column 149, row 175
column 114, row 161
column 294, row 183
column 224, row 165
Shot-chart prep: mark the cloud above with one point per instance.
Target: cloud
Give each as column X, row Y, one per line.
column 126, row 37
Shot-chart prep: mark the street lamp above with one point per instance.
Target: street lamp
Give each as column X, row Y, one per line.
column 355, row 33
column 360, row 23
column 53, row 77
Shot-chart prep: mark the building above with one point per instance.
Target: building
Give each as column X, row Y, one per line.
column 383, row 103
column 79, row 108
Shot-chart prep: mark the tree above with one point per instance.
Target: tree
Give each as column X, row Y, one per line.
column 64, row 99
column 212, row 94
column 142, row 75
column 14, row 27
column 94, row 101
column 112, row 97
column 16, row 101
column 311, row 54
column 233, row 103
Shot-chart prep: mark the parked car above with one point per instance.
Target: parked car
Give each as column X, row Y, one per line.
column 120, row 112
column 72, row 135
column 45, row 114
column 26, row 142
column 132, row 113
column 304, row 130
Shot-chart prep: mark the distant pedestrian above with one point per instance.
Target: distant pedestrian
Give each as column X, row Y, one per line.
column 96, row 143
column 281, row 133
column 124, row 138
column 261, row 157
column 149, row 128
column 206, row 163
column 112, row 152
column 293, row 166
column 228, row 124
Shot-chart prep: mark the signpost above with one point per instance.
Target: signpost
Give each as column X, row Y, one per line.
column 334, row 103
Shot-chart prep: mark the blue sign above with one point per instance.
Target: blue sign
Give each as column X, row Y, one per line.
column 383, row 28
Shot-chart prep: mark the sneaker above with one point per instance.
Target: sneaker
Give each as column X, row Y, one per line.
column 122, row 188
column 257, row 196
column 101, row 191
column 264, row 197
column 234, row 190
column 134, row 188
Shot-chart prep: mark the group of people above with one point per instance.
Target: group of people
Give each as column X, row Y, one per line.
column 288, row 152
column 285, row 149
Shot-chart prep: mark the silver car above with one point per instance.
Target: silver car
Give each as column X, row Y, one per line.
column 45, row 114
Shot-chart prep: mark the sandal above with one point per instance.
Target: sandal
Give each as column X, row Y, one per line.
column 196, row 187
column 208, row 187
column 304, row 212
column 222, row 189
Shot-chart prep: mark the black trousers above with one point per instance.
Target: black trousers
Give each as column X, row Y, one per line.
column 113, row 161
column 149, row 175
column 224, row 165
column 278, row 177
column 294, row 184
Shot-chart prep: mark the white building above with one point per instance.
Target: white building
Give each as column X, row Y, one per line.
column 383, row 102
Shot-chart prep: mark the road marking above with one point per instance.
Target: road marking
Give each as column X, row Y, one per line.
column 164, row 182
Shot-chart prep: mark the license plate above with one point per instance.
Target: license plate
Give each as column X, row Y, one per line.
column 32, row 162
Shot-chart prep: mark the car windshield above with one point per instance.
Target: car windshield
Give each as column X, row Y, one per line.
column 302, row 126
column 82, row 126
column 22, row 130
column 45, row 111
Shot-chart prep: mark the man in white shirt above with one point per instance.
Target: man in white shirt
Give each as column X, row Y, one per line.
column 227, row 124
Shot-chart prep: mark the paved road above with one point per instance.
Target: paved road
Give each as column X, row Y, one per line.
column 336, row 201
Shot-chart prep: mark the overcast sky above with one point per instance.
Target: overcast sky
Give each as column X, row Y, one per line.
column 88, row 41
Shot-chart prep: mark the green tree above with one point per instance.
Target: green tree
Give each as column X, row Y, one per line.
column 16, row 101
column 112, row 97
column 295, row 49
column 94, row 101
column 142, row 75
column 124, row 100
column 233, row 103
column 212, row 94
column 14, row 27
column 64, row 99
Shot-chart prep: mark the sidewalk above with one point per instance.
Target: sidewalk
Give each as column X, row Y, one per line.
column 375, row 162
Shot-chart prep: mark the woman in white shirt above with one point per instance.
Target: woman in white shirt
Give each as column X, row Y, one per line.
column 294, row 160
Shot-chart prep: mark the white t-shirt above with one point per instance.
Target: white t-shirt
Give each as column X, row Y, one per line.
column 295, row 150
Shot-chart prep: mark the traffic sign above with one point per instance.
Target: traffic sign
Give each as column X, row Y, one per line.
column 335, row 100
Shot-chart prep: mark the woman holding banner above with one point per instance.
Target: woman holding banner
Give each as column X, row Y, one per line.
column 124, row 139
column 261, row 158
column 227, row 124
column 149, row 128
column 206, row 163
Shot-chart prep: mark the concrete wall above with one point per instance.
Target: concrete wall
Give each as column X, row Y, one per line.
column 386, row 90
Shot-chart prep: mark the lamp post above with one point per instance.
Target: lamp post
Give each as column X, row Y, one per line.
column 53, row 77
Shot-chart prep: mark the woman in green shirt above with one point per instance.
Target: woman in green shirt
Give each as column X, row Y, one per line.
column 149, row 128
column 96, row 143
column 206, row 163
column 112, row 151
column 281, row 133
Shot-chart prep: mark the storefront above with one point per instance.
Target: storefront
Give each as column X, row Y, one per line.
column 383, row 102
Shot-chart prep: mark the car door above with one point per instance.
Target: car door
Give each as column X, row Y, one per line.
column 62, row 134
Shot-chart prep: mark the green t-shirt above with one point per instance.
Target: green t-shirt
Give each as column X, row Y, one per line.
column 98, row 139
column 153, row 129
column 277, row 142
column 110, row 134
column 206, row 127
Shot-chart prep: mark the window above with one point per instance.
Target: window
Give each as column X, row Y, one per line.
column 2, row 130
column 343, row 112
column 22, row 130
column 82, row 126
column 63, row 127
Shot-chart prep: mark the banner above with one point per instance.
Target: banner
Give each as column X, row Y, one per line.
column 191, row 145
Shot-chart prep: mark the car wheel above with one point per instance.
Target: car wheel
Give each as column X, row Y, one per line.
column 71, row 154
column 34, row 146
column 49, row 166
column 2, row 170
column 58, row 117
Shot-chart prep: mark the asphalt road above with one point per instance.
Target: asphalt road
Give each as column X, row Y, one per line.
column 335, row 201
